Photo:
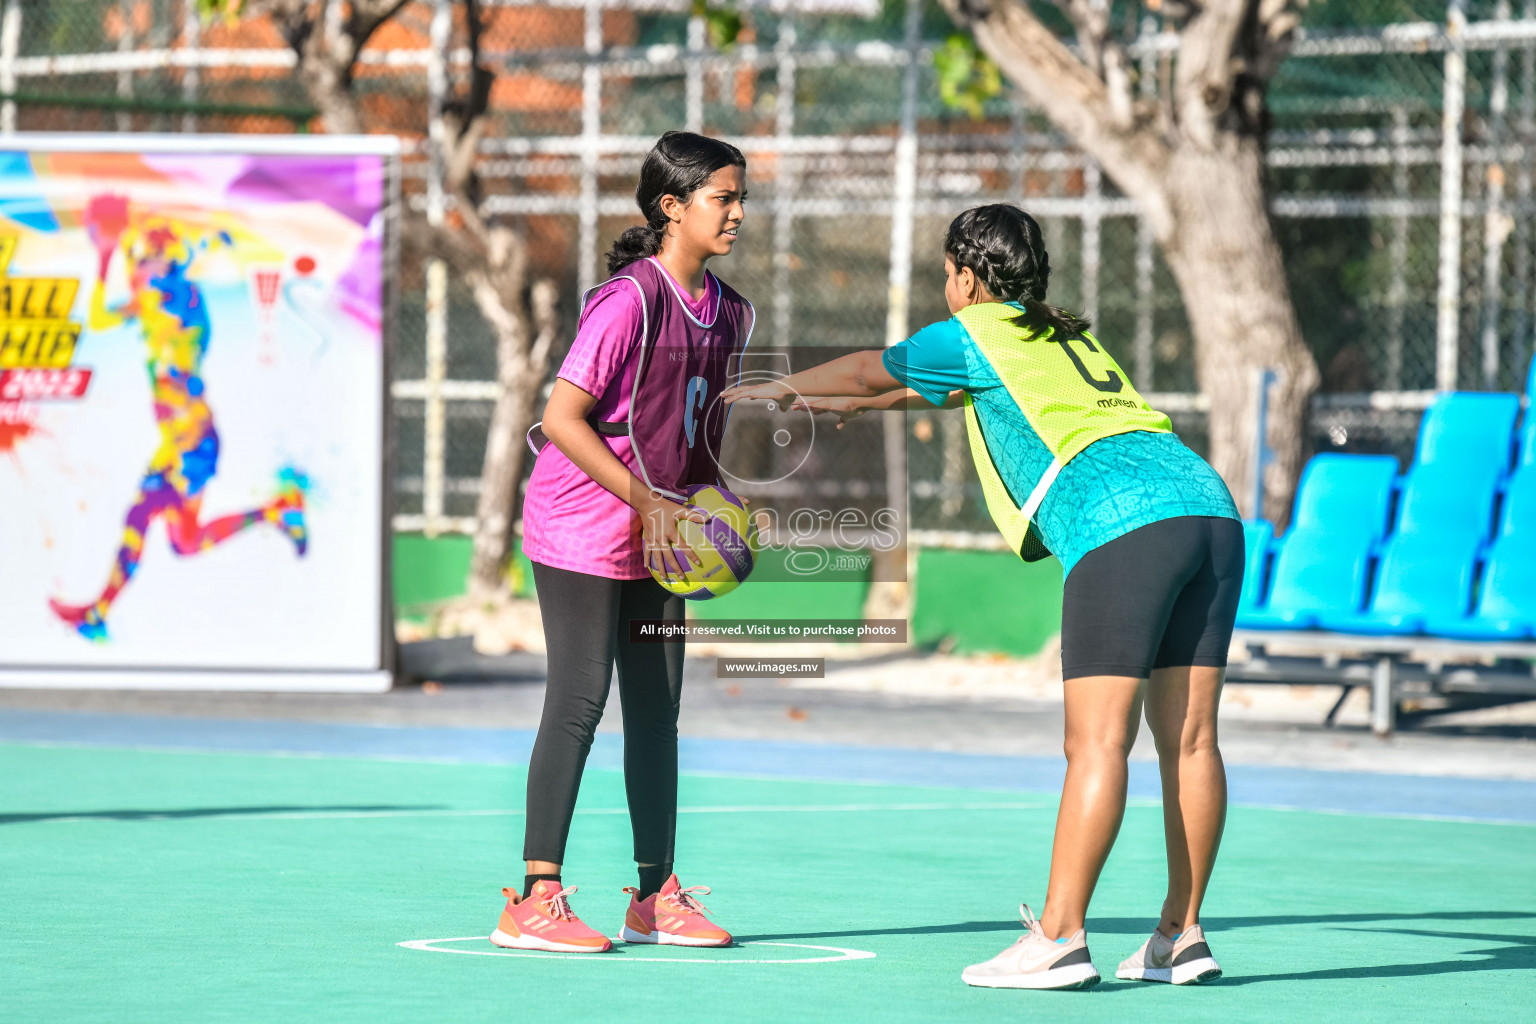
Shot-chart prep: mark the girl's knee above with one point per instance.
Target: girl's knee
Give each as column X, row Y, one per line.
column 1195, row 740
column 1108, row 747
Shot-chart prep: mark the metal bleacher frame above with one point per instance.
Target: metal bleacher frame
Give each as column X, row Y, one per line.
column 1394, row 667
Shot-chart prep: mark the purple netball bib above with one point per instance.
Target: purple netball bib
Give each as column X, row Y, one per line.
column 676, row 420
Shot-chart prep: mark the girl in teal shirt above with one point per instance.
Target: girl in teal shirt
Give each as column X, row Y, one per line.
column 1075, row 463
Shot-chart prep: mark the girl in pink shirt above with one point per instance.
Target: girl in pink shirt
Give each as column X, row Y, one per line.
column 634, row 418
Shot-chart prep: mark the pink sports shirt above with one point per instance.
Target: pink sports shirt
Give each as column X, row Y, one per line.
column 570, row 521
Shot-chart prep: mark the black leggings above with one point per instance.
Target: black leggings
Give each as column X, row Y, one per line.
column 586, row 627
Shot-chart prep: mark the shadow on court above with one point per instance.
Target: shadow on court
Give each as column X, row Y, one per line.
column 1518, row 955
column 208, row 812
column 1525, row 959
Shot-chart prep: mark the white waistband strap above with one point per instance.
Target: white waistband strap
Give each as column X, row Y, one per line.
column 1037, row 495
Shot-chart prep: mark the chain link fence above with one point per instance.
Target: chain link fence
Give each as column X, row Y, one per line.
column 1407, row 230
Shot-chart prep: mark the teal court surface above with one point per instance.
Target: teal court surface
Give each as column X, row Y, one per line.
column 163, row 869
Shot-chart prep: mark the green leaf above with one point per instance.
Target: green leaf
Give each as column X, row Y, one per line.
column 722, row 28
column 967, row 77
column 722, row 22
column 229, row 10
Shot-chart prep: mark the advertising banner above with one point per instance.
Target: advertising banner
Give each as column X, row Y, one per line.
column 193, row 338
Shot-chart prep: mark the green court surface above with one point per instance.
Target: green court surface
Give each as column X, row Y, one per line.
column 181, row 886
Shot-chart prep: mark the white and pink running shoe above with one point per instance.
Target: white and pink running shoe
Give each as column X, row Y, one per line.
column 671, row 917
column 546, row 921
column 1035, row 961
column 1184, row 959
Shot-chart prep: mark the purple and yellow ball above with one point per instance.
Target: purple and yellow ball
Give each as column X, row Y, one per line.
column 727, row 544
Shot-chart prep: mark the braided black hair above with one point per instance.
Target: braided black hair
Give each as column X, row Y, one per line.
column 1002, row 246
column 678, row 165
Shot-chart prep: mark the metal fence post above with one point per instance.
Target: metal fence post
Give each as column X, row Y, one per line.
column 1520, row 348
column 1262, row 454
column 1145, row 263
column 1145, row 308
column 903, row 214
column 1093, row 192
column 1018, row 116
column 904, row 187
column 1397, row 288
column 1496, row 224
column 1384, row 696
column 10, row 46
column 125, row 44
column 785, row 188
column 191, row 76
column 694, row 80
column 1448, row 305
column 591, row 132
column 435, row 412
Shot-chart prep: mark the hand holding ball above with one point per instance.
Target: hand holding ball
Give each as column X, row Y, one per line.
column 726, row 543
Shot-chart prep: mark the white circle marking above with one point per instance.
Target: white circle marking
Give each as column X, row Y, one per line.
column 431, row 946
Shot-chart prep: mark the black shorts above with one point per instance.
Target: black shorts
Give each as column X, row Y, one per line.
column 1159, row 596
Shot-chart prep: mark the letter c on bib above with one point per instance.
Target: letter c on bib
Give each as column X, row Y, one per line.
column 698, row 387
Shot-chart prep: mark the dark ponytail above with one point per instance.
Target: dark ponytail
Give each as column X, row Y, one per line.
column 678, row 165
column 1002, row 246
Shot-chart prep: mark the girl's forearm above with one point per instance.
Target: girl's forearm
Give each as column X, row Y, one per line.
column 858, row 374
column 907, row 399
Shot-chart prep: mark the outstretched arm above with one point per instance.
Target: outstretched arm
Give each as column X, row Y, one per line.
column 848, row 408
column 858, row 374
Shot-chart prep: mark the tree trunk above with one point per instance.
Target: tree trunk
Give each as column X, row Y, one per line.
column 1223, row 252
column 522, row 362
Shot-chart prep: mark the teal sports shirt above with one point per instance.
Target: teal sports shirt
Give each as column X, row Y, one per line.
column 1115, row 485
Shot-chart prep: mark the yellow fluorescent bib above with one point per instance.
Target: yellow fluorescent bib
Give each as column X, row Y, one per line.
column 1071, row 392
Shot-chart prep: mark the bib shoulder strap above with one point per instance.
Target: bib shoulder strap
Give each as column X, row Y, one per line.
column 640, row 276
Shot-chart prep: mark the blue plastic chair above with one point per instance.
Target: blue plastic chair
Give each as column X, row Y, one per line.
column 1322, row 564
column 1428, row 564
column 1449, row 497
column 1257, row 533
column 1345, row 494
column 1468, row 427
column 1518, row 517
column 1421, row 578
column 1314, row 575
column 1527, row 440
column 1506, row 606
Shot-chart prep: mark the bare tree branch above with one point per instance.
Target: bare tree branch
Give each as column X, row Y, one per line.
column 1271, row 33
column 543, row 301
column 1091, row 20
column 1203, row 74
column 1132, row 152
column 1103, row 55
column 327, row 52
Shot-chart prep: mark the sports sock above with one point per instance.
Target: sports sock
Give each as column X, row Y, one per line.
column 529, row 880
column 653, row 878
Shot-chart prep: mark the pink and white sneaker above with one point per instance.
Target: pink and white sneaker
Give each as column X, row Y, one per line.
column 545, row 921
column 671, row 917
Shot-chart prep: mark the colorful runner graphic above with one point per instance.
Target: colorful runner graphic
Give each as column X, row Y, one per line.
column 192, row 409
column 174, row 324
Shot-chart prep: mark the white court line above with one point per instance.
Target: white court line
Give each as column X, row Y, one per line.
column 498, row 812
column 431, row 946
column 1452, row 819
